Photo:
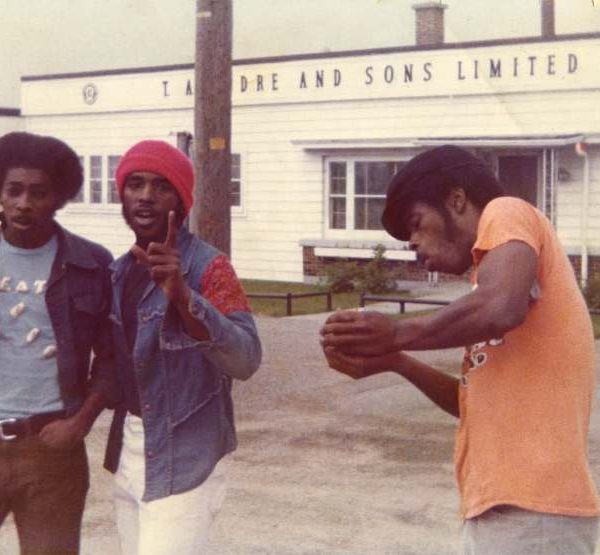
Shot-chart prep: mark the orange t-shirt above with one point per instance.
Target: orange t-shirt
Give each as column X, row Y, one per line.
column 525, row 398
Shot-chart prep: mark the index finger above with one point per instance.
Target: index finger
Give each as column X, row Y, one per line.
column 171, row 239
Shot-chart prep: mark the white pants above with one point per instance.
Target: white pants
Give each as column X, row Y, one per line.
column 178, row 524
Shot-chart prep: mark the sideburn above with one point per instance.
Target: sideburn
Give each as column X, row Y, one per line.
column 450, row 228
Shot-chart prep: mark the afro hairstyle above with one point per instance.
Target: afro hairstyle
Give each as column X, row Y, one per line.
column 48, row 154
column 429, row 178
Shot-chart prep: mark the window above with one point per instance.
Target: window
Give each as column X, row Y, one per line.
column 99, row 183
column 356, row 191
column 337, row 195
column 113, row 193
column 79, row 196
column 236, row 180
column 371, row 180
column 95, row 179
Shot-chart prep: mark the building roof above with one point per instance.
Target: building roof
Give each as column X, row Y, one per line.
column 321, row 55
column 10, row 112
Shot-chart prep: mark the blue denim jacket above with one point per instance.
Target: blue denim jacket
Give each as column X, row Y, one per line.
column 184, row 384
column 78, row 300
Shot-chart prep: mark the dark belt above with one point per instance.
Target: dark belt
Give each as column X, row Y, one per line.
column 15, row 428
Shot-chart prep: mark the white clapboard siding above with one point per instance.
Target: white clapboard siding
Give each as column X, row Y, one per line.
column 108, row 229
column 9, row 124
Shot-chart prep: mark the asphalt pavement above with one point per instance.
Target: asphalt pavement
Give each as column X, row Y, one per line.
column 325, row 464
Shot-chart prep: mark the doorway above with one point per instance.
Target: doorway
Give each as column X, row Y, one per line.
column 518, row 175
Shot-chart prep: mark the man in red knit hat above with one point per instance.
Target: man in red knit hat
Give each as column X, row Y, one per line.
column 182, row 329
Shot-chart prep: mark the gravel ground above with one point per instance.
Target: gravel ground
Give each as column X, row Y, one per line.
column 325, row 465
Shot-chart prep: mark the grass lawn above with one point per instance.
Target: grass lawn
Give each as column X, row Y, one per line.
column 310, row 305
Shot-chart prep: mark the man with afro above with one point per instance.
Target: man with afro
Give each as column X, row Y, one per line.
column 54, row 302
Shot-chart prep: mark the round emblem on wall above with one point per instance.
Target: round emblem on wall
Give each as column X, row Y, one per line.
column 90, row 93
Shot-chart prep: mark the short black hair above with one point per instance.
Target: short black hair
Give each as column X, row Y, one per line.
column 430, row 177
column 48, row 154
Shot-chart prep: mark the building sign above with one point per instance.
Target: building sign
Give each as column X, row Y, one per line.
column 405, row 73
column 482, row 70
column 498, row 70
column 401, row 74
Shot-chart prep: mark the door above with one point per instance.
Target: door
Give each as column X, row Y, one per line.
column 519, row 176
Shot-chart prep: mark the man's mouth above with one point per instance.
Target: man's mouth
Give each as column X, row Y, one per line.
column 145, row 217
column 22, row 221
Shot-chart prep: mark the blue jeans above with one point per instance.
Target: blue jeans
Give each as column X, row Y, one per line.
column 508, row 530
column 45, row 489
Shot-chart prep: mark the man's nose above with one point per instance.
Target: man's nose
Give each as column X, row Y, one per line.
column 24, row 202
column 147, row 192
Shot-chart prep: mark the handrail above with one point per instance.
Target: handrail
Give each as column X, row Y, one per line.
column 403, row 301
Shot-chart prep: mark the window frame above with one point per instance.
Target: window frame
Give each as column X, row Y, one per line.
column 106, row 206
column 241, row 209
column 350, row 232
column 85, row 204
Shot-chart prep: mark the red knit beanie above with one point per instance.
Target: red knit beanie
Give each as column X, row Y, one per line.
column 163, row 159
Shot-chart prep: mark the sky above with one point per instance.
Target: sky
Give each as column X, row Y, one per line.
column 59, row 36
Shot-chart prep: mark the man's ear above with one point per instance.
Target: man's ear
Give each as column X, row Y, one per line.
column 457, row 200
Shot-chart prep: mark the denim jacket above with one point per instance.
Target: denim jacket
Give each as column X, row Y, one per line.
column 78, row 301
column 184, row 384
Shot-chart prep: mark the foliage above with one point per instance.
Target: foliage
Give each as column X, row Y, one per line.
column 592, row 292
column 375, row 276
column 372, row 277
column 340, row 277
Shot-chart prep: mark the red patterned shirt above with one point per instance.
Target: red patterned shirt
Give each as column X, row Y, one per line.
column 222, row 288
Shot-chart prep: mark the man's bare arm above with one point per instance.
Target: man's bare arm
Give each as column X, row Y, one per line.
column 439, row 387
column 500, row 303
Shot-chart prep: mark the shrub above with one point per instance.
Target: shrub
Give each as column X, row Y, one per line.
column 340, row 277
column 375, row 276
column 372, row 277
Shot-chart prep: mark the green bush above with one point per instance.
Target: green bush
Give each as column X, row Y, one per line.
column 375, row 276
column 592, row 292
column 340, row 277
column 372, row 277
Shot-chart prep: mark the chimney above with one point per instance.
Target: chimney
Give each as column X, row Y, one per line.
column 429, row 23
column 548, row 18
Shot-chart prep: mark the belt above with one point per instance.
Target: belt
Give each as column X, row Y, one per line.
column 15, row 428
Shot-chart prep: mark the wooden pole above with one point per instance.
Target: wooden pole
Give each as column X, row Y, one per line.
column 211, row 214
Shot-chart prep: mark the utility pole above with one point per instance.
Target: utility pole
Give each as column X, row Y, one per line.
column 211, row 214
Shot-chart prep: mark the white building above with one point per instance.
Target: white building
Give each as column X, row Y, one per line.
column 317, row 137
column 10, row 120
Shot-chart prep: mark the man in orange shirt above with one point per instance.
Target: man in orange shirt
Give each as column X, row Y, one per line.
column 528, row 374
